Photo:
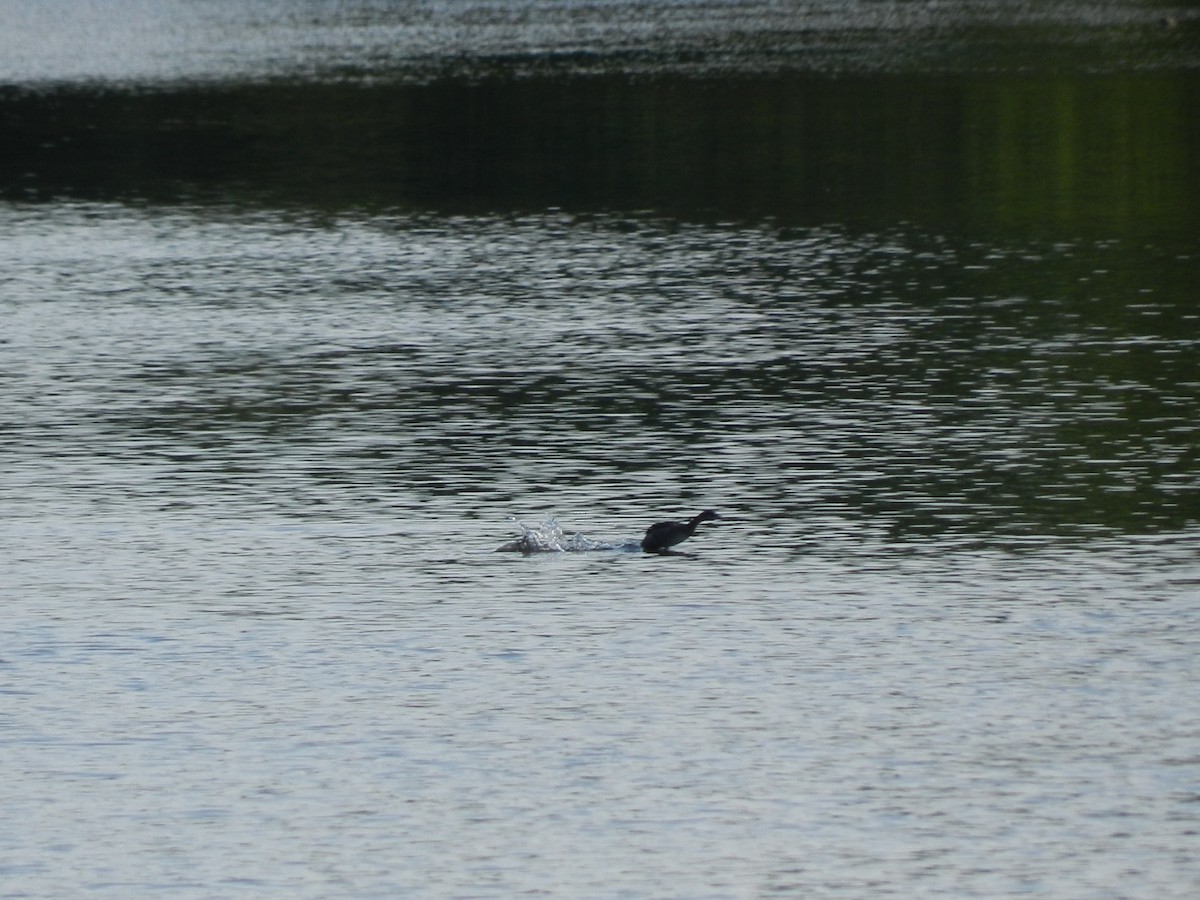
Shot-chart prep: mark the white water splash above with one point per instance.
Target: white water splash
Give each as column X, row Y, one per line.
column 549, row 537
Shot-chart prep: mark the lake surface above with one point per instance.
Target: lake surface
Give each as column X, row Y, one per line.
column 310, row 308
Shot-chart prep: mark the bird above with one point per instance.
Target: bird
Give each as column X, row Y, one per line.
column 667, row 534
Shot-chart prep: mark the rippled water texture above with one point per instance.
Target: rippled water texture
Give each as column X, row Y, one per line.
column 943, row 640
column 309, row 309
column 140, row 42
column 907, row 384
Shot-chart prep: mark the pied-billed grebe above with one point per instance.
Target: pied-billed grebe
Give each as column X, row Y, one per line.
column 667, row 534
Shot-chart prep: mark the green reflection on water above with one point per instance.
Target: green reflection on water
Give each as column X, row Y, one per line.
column 1082, row 153
column 1059, row 154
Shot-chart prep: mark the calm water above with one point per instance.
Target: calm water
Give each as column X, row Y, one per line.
column 300, row 328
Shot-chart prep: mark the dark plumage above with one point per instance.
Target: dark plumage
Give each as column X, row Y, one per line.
column 667, row 534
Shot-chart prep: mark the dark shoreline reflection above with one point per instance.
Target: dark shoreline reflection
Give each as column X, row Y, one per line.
column 1072, row 154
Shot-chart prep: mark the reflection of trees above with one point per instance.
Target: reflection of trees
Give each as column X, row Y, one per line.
column 1079, row 152
column 1065, row 155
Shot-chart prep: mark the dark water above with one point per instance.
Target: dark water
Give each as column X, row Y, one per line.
column 307, row 307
